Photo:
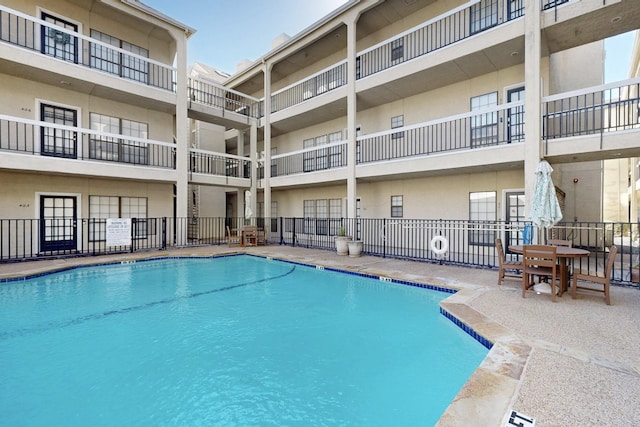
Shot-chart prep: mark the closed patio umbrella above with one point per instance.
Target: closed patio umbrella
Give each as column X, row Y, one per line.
column 247, row 204
column 545, row 209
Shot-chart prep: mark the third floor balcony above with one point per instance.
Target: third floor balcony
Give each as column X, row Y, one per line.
column 54, row 51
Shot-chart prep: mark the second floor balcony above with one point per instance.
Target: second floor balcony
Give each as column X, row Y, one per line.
column 42, row 146
column 222, row 105
column 594, row 123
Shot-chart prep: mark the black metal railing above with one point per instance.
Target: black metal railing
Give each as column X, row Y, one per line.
column 318, row 84
column 219, row 165
column 454, row 26
column 470, row 243
column 499, row 125
column 608, row 108
column 36, row 35
column 323, row 157
column 47, row 139
column 218, row 96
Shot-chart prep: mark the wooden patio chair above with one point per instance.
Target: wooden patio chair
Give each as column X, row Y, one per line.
column 261, row 237
column 541, row 261
column 507, row 268
column 599, row 278
column 250, row 235
column 559, row 242
column 233, row 239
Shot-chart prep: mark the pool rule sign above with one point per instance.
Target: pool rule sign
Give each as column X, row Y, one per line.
column 118, row 231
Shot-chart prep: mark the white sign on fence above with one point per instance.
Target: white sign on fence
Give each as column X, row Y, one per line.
column 118, row 231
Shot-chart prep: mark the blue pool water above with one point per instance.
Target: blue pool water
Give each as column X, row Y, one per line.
column 225, row 341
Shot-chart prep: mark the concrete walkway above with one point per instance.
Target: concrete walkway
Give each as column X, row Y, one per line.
column 570, row 363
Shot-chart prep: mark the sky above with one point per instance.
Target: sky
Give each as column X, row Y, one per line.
column 229, row 32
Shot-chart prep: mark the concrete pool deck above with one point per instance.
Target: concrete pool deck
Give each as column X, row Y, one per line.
column 569, row 363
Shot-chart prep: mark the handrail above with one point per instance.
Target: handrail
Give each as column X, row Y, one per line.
column 591, row 89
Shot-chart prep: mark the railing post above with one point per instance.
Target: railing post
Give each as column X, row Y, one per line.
column 164, row 233
column 133, row 234
column 293, row 232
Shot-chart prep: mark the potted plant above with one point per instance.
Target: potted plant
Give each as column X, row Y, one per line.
column 355, row 248
column 342, row 240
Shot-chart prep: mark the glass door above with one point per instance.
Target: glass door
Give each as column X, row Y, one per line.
column 58, row 221
column 515, row 218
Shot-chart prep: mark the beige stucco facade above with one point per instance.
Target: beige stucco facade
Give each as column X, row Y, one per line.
column 378, row 99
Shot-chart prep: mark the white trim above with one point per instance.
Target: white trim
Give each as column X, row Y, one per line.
column 585, row 91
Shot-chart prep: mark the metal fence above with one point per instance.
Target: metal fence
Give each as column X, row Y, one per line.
column 469, row 243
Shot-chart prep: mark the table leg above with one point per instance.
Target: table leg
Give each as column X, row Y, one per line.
column 564, row 275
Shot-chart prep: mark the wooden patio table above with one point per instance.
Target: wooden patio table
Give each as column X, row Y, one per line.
column 564, row 254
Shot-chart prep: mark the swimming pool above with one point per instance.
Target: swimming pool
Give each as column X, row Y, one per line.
column 236, row 340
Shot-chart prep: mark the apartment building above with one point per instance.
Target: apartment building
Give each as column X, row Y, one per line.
column 442, row 109
column 383, row 109
column 95, row 124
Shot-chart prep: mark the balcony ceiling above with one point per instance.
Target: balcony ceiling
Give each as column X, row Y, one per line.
column 324, row 113
column 490, row 59
column 101, row 9
column 571, row 25
column 387, row 13
column 119, row 90
column 332, row 41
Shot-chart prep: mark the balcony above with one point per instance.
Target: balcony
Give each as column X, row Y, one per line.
column 601, row 121
column 215, row 103
column 51, row 41
column 211, row 168
column 458, row 24
column 42, row 146
column 320, row 158
column 316, row 85
column 489, row 127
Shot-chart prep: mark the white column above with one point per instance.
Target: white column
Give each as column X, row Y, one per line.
column 267, row 144
column 532, row 97
column 240, row 191
column 351, row 118
column 253, row 155
column 182, row 128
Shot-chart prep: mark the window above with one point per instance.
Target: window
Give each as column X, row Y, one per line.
column 484, row 15
column 482, row 216
column 335, row 152
column 396, row 207
column 115, row 62
column 58, row 142
column 397, row 122
column 484, row 127
column 322, row 158
column 397, row 50
column 118, row 149
column 308, row 157
column 103, row 207
column 57, row 43
column 322, row 217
